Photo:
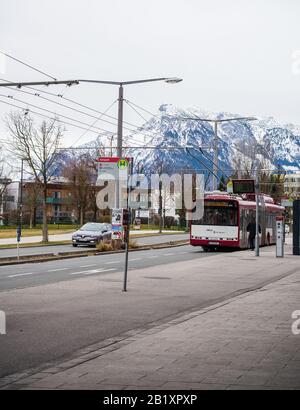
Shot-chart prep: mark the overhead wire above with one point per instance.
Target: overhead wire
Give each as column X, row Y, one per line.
column 47, row 116
column 52, row 112
column 85, row 132
column 27, row 65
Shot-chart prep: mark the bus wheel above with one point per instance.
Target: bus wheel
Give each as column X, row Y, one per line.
column 206, row 248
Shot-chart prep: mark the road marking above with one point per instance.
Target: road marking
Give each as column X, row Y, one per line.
column 57, row 270
column 151, row 257
column 99, row 271
column 110, row 263
column 92, row 272
column 87, row 266
column 168, row 254
column 137, row 259
column 20, row 274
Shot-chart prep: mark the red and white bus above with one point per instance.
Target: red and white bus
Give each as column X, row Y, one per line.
column 226, row 217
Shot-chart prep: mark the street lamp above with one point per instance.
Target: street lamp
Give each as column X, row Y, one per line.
column 215, row 142
column 121, row 84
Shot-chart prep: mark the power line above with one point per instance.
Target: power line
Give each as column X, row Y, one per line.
column 134, row 132
column 62, row 105
column 129, row 105
column 28, row 65
column 209, row 170
column 52, row 112
column 143, row 109
column 85, row 132
column 47, row 116
column 69, row 100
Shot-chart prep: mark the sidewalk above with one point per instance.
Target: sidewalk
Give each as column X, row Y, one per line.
column 244, row 342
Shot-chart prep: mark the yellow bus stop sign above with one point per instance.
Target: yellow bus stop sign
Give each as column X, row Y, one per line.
column 123, row 163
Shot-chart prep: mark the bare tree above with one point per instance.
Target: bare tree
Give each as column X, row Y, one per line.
column 31, row 201
column 38, row 146
column 80, row 172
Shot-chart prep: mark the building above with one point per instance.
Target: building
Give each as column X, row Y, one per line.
column 292, row 185
column 59, row 206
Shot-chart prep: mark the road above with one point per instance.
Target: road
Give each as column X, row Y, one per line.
column 56, row 308
column 36, row 274
column 5, row 253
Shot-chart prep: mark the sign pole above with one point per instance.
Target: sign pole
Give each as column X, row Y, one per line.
column 127, row 226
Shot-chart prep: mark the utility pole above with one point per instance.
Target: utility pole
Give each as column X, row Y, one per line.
column 160, row 207
column 257, row 214
column 20, row 217
column 215, row 164
column 216, row 140
column 119, row 139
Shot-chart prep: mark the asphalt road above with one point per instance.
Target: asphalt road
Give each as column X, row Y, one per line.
column 35, row 274
column 55, row 308
column 4, row 253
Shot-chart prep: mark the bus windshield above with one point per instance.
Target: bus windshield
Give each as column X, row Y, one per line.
column 219, row 215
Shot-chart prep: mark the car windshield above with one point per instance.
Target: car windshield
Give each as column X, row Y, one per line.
column 93, row 227
column 222, row 214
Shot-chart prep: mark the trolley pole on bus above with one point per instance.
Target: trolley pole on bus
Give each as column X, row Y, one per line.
column 257, row 215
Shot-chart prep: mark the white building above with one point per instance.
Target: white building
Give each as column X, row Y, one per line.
column 292, row 185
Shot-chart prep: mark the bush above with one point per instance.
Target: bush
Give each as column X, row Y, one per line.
column 104, row 246
column 133, row 244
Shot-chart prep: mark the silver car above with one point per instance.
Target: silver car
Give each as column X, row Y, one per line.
column 91, row 234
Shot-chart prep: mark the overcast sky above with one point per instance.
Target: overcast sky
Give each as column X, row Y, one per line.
column 234, row 55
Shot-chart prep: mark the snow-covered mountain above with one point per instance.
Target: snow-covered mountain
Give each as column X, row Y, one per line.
column 241, row 143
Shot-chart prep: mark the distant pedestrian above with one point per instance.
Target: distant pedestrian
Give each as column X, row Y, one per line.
column 251, row 228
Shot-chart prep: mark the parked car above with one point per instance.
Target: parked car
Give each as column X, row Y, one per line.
column 91, row 234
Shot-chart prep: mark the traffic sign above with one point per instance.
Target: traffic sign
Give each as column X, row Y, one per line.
column 112, row 168
column 117, row 217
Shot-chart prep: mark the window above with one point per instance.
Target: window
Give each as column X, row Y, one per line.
column 219, row 216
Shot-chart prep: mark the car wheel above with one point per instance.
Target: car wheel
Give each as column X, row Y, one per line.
column 75, row 245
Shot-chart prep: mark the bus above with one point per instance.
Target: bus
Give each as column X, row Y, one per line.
column 226, row 217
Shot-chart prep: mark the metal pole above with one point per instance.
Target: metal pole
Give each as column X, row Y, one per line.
column 215, row 165
column 119, row 140
column 19, row 230
column 127, row 228
column 257, row 215
column 21, row 194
